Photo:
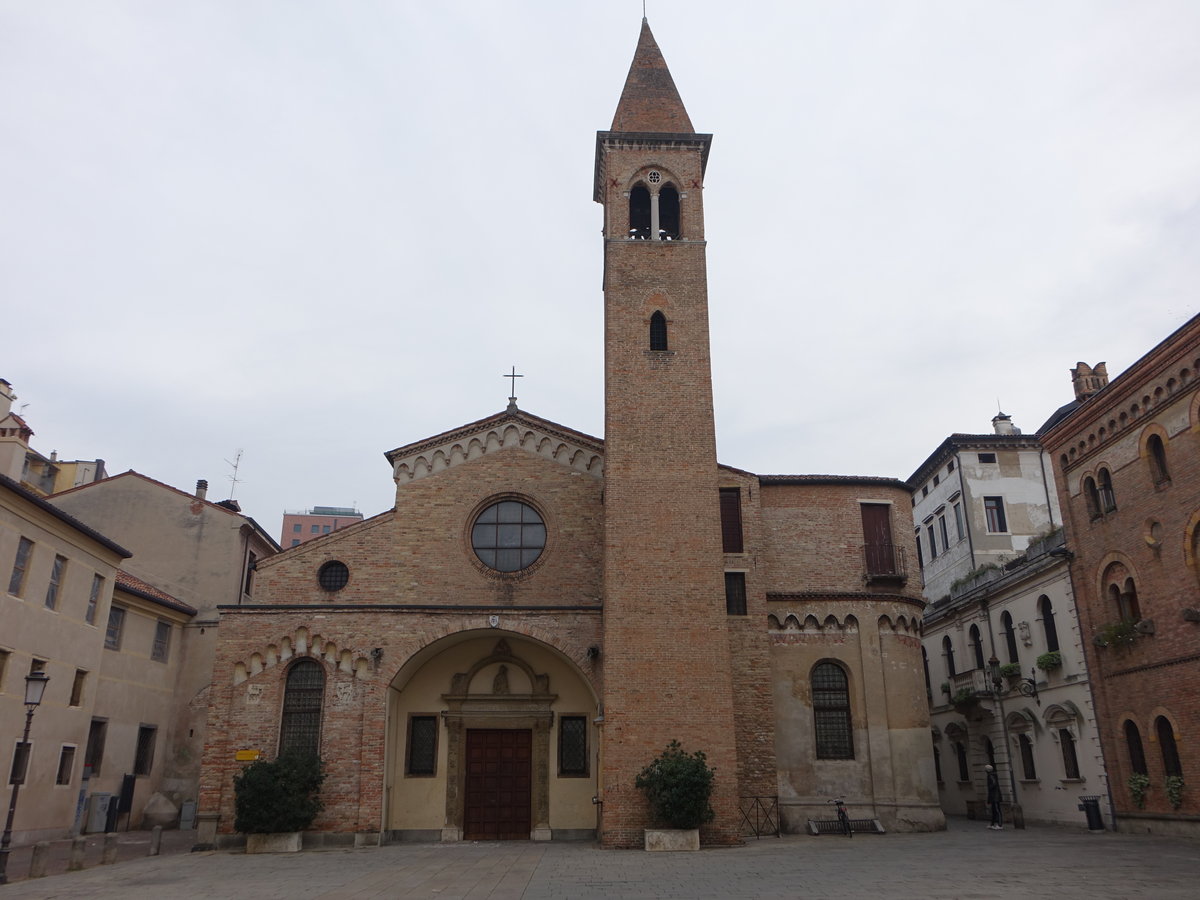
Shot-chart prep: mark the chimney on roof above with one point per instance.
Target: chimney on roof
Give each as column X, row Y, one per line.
column 1088, row 380
column 231, row 505
column 6, row 398
column 1002, row 424
column 201, row 489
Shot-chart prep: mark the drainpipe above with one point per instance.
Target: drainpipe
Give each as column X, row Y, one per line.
column 1046, row 487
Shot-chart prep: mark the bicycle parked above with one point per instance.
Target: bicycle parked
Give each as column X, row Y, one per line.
column 843, row 818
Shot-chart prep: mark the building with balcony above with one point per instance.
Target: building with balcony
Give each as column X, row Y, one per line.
column 1005, row 669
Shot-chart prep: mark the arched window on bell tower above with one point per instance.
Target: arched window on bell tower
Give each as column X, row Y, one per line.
column 639, row 214
column 668, row 213
column 658, row 331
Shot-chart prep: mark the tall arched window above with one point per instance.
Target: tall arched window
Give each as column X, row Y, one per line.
column 1157, row 453
column 668, row 213
column 1048, row 625
column 1137, row 755
column 831, row 712
column 948, row 654
column 300, row 728
column 937, row 764
column 1108, row 499
column 639, row 213
column 1070, row 760
column 964, row 771
column 1125, row 599
column 977, row 646
column 989, row 750
column 928, row 683
column 1166, row 742
column 1028, row 769
column 1092, row 497
column 1010, row 637
column 658, row 331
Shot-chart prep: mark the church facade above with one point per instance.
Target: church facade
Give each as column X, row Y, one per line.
column 543, row 611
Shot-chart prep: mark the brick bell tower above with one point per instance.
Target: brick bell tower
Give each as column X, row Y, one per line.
column 666, row 646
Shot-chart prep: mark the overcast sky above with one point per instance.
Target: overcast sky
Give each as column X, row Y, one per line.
column 316, row 231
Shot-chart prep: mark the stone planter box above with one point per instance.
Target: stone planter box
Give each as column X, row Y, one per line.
column 282, row 842
column 671, row 839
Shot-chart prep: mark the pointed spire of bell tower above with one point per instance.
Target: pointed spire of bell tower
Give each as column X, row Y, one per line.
column 650, row 102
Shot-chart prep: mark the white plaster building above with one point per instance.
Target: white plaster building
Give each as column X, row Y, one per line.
column 1003, row 655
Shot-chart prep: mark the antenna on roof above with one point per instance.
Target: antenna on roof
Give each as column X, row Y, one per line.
column 234, row 481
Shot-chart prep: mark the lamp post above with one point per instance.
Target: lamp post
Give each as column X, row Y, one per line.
column 35, row 687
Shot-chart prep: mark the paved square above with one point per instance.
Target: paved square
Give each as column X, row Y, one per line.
column 967, row 861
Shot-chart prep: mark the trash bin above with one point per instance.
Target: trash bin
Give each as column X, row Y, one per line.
column 1090, row 806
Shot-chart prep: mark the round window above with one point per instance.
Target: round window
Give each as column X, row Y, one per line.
column 653, row 177
column 333, row 576
column 508, row 536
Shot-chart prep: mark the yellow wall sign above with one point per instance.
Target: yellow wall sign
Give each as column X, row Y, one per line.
column 247, row 755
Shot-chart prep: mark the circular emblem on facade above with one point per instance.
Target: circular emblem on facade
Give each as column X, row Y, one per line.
column 333, row 576
column 508, row 536
column 654, row 176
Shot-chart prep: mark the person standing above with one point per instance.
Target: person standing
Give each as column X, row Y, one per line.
column 993, row 798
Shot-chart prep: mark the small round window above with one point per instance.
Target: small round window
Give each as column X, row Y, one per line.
column 508, row 536
column 333, row 576
column 654, row 177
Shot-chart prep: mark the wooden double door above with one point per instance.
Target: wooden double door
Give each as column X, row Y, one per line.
column 499, row 781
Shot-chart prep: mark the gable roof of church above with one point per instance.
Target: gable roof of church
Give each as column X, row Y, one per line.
column 650, row 102
column 511, row 428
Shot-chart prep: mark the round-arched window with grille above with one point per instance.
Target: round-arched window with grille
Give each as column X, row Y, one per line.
column 508, row 536
column 333, row 576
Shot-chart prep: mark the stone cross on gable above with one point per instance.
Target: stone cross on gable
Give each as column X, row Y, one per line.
column 512, row 399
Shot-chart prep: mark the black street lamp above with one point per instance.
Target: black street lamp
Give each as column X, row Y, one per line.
column 35, row 687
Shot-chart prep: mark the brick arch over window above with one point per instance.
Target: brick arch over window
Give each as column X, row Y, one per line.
column 1164, row 733
column 1191, row 542
column 1152, row 447
column 1135, row 750
column 1091, row 496
column 1120, row 593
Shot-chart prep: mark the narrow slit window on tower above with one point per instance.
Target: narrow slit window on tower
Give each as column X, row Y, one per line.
column 668, row 213
column 639, row 214
column 658, row 331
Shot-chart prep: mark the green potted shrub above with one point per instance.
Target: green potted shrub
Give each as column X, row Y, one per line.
column 1048, row 662
column 678, row 788
column 275, row 800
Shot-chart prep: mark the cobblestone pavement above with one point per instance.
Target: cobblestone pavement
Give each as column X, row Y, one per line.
column 966, row 861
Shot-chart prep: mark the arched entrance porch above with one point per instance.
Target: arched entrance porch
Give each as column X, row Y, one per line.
column 491, row 735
